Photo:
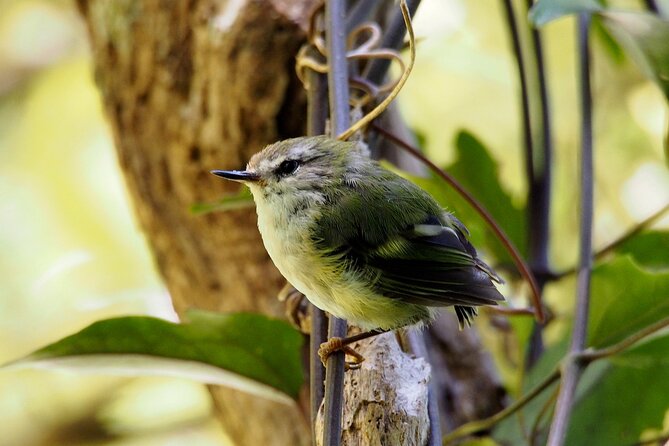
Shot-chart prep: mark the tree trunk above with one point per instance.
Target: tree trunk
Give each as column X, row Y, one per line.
column 190, row 86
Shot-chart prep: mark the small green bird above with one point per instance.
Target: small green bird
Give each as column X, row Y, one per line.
column 359, row 241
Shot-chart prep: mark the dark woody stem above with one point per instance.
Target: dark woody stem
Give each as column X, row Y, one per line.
column 573, row 368
column 335, row 38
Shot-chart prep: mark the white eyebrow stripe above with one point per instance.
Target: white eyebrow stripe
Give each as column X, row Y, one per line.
column 429, row 230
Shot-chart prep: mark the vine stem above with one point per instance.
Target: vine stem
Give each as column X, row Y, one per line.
column 574, row 368
column 588, row 356
column 636, row 229
column 483, row 212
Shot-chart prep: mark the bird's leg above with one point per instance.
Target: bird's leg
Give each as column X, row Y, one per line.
column 333, row 345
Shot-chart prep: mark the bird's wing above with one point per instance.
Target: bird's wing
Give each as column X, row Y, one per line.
column 396, row 236
column 432, row 264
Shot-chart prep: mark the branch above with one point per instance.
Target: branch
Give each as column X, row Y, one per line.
column 335, row 36
column 543, row 412
column 634, row 230
column 574, row 368
column 480, row 209
column 589, row 356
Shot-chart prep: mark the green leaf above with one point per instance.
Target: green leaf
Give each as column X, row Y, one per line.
column 478, row 172
column 625, row 299
column 628, row 398
column 545, row 11
column 649, row 249
column 241, row 200
column 247, row 351
column 644, row 37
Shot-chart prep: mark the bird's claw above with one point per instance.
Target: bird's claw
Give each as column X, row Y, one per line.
column 333, row 345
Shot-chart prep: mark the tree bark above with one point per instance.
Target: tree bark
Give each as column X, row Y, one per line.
column 190, row 86
column 385, row 402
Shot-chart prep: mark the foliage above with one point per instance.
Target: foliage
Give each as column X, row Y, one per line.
column 625, row 298
column 649, row 249
column 238, row 350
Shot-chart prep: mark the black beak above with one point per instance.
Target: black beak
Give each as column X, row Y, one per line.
column 237, row 175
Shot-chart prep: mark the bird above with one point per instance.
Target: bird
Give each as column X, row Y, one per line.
column 360, row 241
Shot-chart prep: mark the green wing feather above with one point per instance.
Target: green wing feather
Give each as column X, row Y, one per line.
column 396, row 236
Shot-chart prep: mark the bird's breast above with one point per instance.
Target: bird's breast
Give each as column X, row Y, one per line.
column 286, row 236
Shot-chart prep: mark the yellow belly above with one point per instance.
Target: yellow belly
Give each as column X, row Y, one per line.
column 327, row 284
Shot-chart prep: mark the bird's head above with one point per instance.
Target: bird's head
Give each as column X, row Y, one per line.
column 297, row 167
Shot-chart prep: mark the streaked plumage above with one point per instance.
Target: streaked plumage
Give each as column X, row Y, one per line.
column 360, row 241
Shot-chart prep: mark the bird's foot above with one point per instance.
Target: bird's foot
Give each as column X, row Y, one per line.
column 297, row 308
column 340, row 345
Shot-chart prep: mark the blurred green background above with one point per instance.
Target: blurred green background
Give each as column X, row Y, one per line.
column 71, row 252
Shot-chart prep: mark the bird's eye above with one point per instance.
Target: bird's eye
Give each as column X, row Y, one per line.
column 287, row 167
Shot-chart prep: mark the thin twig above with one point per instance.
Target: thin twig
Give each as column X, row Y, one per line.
column 633, row 231
column 481, row 425
column 481, row 210
column 335, row 36
column 574, row 368
column 543, row 412
column 612, row 246
column 381, row 107
column 588, row 356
